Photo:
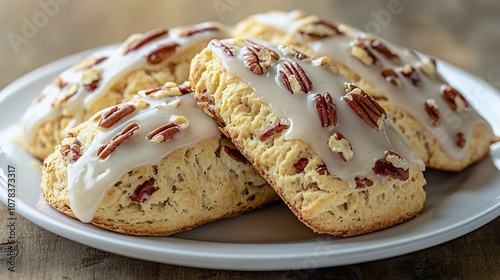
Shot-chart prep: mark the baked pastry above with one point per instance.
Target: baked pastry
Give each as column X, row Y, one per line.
column 440, row 123
column 110, row 76
column 152, row 166
column 335, row 160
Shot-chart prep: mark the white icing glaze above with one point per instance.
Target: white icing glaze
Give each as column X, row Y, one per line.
column 409, row 97
column 111, row 70
column 300, row 112
column 90, row 178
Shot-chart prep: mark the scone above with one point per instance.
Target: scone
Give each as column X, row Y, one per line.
column 110, row 76
column 439, row 122
column 324, row 145
column 152, row 166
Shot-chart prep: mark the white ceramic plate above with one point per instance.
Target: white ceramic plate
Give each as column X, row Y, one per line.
column 272, row 238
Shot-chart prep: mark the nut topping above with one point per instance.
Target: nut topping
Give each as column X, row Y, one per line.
column 144, row 191
column 274, row 55
column 294, row 78
column 455, row 100
column 340, row 145
column 145, row 38
column 161, row 53
column 59, row 82
column 198, row 28
column 392, row 165
column 319, row 29
column 289, row 50
column 365, row 107
column 89, row 62
column 327, row 111
column 72, row 151
column 90, row 79
column 168, row 89
column 300, row 165
column 433, row 111
column 164, row 132
column 218, row 44
column 429, row 68
column 409, row 72
column 256, row 60
column 115, row 114
column 126, row 133
column 322, row 170
column 61, row 100
column 460, row 140
column 361, row 52
column 391, row 77
column 363, row 182
column 235, row 154
column 277, row 128
column 383, row 50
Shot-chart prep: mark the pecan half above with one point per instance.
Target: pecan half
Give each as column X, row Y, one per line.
column 433, row 111
column 319, row 29
column 300, row 165
column 126, row 133
column 235, row 154
column 455, row 100
column 409, row 72
column 115, row 114
column 145, row 38
column 258, row 47
column 67, row 94
column 144, row 191
column 218, row 44
column 382, row 49
column 161, row 53
column 460, row 140
column 361, row 52
column 90, row 79
column 327, row 111
column 363, row 182
column 392, row 165
column 163, row 133
column 340, row 145
column 365, row 107
column 256, row 61
column 391, row 77
column 294, row 78
column 197, row 28
column 72, row 152
column 277, row 128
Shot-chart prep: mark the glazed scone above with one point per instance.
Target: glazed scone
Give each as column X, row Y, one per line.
column 439, row 122
column 334, row 160
column 110, row 76
column 152, row 166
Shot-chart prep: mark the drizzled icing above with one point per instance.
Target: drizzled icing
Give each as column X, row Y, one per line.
column 111, row 65
column 454, row 127
column 90, row 177
column 299, row 111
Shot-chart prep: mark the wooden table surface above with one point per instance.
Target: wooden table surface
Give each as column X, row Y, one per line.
column 463, row 33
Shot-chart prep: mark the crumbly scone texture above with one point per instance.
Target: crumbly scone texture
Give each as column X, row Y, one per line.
column 421, row 139
column 325, row 203
column 49, row 134
column 195, row 186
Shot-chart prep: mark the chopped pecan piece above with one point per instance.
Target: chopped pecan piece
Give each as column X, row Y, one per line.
column 72, row 151
column 168, row 89
column 144, row 191
column 433, row 111
column 340, row 145
column 235, row 154
column 59, row 82
column 161, row 53
column 67, row 94
column 197, row 28
column 289, row 50
column 361, row 52
column 145, row 38
column 455, row 100
column 322, row 170
column 277, row 128
column 365, row 107
column 391, row 77
column 90, row 79
column 429, row 68
column 115, row 114
column 185, row 87
column 460, row 140
column 409, row 72
column 294, row 78
column 319, row 29
column 300, row 165
column 392, row 165
column 218, row 44
column 363, row 182
column 89, row 62
column 383, row 50
column 164, row 132
column 327, row 111
column 126, row 133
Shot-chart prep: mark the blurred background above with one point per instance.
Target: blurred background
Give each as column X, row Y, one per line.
column 35, row 32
